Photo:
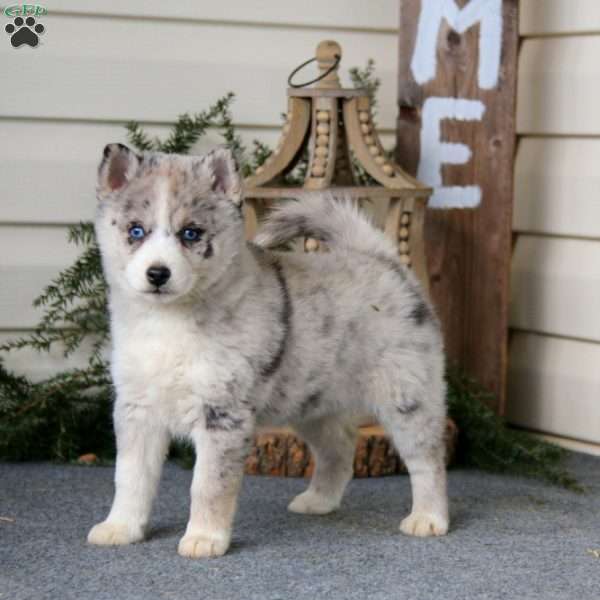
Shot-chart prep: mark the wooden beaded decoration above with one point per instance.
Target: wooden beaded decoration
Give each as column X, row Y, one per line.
column 335, row 125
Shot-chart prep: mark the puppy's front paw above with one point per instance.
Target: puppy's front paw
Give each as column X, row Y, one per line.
column 203, row 545
column 109, row 533
column 310, row 503
column 424, row 524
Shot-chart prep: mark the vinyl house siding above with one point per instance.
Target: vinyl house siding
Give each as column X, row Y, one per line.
column 554, row 369
column 104, row 62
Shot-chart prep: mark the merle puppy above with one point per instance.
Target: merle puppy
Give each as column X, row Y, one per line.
column 213, row 336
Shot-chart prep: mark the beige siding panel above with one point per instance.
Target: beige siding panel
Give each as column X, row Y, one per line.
column 547, row 17
column 48, row 171
column 555, row 287
column 554, row 386
column 569, row 443
column 40, row 365
column 559, row 86
column 557, row 187
column 374, row 14
column 29, row 259
column 152, row 70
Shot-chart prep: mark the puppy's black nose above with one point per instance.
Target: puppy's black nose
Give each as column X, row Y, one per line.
column 158, row 275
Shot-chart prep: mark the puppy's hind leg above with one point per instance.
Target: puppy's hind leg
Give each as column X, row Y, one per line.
column 332, row 444
column 414, row 415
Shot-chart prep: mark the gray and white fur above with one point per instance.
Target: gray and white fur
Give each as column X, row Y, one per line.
column 213, row 336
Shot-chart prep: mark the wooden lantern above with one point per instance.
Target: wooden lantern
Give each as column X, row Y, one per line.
column 334, row 126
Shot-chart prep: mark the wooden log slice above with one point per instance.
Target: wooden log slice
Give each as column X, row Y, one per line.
column 280, row 452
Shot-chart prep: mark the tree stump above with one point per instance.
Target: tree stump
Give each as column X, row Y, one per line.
column 279, row 452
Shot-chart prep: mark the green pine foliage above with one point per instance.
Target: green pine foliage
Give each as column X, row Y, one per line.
column 485, row 442
column 188, row 129
column 69, row 414
column 366, row 79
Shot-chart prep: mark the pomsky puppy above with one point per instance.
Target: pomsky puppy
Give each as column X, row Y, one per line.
column 213, row 336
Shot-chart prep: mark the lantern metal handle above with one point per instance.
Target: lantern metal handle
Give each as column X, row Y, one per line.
column 333, row 67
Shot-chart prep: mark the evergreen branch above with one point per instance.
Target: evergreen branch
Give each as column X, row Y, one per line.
column 82, row 234
column 487, row 443
column 259, row 154
column 365, row 79
column 57, row 418
column 188, row 129
column 233, row 141
column 138, row 137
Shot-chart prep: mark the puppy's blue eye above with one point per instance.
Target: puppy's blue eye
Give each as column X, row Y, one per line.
column 136, row 232
column 191, row 234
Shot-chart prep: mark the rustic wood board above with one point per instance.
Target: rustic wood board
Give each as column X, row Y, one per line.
column 468, row 249
column 280, row 452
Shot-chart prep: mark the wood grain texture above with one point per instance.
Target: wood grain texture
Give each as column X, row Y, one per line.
column 280, row 452
column 468, row 250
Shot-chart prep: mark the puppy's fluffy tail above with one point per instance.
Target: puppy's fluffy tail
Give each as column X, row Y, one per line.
column 338, row 223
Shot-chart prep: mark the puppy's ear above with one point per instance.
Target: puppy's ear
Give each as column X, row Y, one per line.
column 225, row 177
column 118, row 167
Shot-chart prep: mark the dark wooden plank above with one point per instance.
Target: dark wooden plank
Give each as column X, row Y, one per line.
column 468, row 249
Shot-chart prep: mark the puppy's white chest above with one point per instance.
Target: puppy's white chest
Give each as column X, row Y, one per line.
column 161, row 360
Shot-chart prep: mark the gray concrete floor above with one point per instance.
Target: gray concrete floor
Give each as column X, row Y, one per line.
column 510, row 538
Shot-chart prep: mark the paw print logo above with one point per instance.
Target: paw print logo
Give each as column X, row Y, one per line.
column 24, row 32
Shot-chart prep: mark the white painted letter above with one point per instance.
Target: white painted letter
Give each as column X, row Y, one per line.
column 434, row 152
column 489, row 15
